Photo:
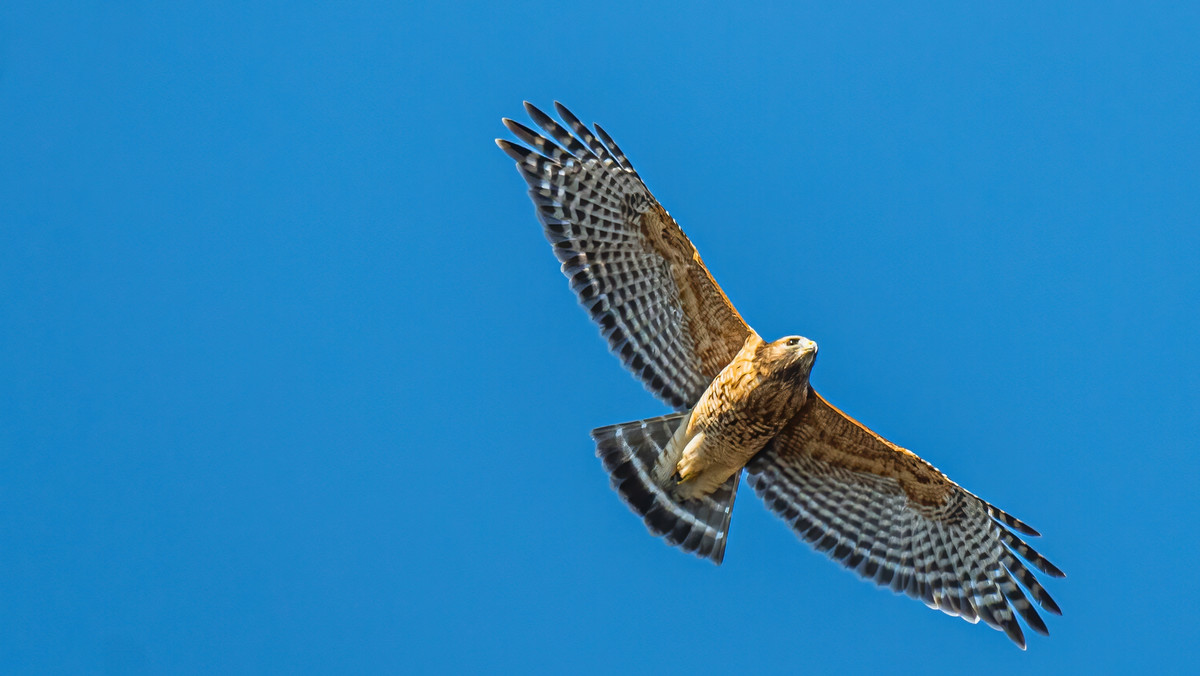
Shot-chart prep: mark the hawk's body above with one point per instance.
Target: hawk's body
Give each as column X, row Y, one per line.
column 877, row 508
column 747, row 404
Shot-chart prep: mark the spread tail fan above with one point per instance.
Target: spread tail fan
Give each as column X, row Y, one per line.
column 629, row 452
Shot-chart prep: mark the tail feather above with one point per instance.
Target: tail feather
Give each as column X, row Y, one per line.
column 629, row 452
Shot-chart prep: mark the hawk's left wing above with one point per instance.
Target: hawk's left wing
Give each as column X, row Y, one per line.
column 633, row 269
column 893, row 518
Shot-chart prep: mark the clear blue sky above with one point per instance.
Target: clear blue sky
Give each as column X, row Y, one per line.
column 290, row 381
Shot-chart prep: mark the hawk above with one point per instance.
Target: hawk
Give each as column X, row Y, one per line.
column 742, row 403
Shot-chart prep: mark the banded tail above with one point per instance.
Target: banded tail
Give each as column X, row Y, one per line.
column 629, row 452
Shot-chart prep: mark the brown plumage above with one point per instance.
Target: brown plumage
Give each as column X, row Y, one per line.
column 744, row 403
column 749, row 402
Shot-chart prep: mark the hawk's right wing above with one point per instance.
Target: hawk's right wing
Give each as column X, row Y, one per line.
column 636, row 273
column 893, row 518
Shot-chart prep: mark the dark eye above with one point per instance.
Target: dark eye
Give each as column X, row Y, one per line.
column 793, row 342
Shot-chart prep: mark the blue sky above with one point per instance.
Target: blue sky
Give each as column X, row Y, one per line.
column 291, row 382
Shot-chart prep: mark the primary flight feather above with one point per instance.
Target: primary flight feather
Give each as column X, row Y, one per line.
column 745, row 403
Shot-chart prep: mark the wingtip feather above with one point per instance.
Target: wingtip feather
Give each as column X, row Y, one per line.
column 518, row 153
column 531, row 109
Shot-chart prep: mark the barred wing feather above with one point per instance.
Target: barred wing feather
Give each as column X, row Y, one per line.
column 632, row 268
column 893, row 518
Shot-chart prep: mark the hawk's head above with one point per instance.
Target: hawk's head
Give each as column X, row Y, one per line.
column 791, row 356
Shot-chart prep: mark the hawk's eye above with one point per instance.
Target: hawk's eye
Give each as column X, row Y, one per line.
column 793, row 342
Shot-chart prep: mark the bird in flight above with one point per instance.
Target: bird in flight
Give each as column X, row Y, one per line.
column 743, row 403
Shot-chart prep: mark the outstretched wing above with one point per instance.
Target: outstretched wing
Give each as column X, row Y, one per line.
column 893, row 518
column 636, row 273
